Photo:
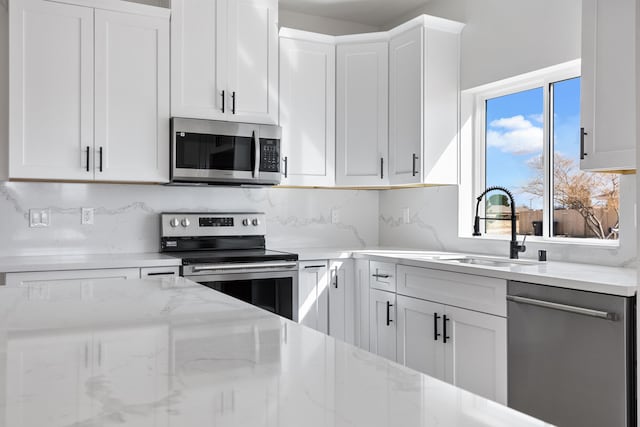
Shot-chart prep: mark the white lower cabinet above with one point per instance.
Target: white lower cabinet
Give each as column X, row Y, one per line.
column 361, row 307
column 382, row 324
column 462, row 347
column 419, row 338
column 313, row 295
column 476, row 352
column 341, row 300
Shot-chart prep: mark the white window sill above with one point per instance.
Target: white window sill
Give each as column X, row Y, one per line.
column 599, row 243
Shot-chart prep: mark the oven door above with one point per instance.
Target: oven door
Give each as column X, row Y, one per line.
column 274, row 290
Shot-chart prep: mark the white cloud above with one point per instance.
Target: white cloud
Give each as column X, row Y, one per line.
column 515, row 135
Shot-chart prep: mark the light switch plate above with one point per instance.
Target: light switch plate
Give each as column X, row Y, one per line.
column 39, row 217
column 87, row 216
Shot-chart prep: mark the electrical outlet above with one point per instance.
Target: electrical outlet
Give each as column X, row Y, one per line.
column 335, row 216
column 87, row 216
column 406, row 216
column 39, row 217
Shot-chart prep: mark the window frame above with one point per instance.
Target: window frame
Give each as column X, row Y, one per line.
column 477, row 100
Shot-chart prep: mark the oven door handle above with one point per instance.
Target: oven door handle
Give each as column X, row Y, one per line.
column 256, row 148
column 244, row 266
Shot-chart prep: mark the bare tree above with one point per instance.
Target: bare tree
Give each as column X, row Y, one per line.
column 577, row 190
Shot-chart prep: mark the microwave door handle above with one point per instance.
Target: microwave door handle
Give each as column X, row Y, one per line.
column 256, row 148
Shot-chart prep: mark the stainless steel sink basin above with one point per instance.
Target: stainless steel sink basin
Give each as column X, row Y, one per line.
column 492, row 262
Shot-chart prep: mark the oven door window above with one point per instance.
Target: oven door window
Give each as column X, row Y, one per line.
column 273, row 294
column 214, row 152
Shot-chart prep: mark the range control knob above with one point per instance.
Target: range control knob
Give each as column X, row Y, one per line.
column 185, row 222
column 255, row 222
column 174, row 222
column 245, row 222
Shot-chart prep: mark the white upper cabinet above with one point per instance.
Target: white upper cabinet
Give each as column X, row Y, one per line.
column 51, row 90
column 608, row 107
column 423, row 102
column 405, row 106
column 196, row 88
column 225, row 60
column 307, row 108
column 362, row 107
column 131, row 114
column 90, row 92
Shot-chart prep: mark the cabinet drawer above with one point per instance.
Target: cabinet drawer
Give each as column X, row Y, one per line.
column 382, row 276
column 484, row 294
column 160, row 271
column 54, row 277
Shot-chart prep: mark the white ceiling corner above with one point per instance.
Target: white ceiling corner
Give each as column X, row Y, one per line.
column 377, row 13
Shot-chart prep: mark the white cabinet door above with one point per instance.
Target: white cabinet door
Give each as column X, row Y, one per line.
column 131, row 97
column 48, row 373
column 362, row 114
column 313, row 295
column 197, row 80
column 383, row 324
column 608, row 108
column 307, row 112
column 361, row 282
column 51, row 90
column 252, row 60
column 476, row 352
column 406, row 106
column 55, row 277
column 420, row 339
column 341, row 300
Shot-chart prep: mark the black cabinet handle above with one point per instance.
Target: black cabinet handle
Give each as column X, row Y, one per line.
column 381, row 167
column 165, row 273
column 100, row 159
column 415, row 171
column 233, row 102
column 286, row 167
column 380, row 276
column 335, row 284
column 582, row 135
column 445, row 337
column 88, row 154
column 223, row 101
column 436, row 334
column 389, row 305
column 313, row 266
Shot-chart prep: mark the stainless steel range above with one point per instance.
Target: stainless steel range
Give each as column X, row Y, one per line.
column 227, row 252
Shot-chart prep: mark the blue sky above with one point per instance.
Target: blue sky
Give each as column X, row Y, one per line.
column 515, row 135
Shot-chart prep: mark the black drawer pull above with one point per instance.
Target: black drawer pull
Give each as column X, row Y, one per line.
column 162, row 273
column 436, row 334
column 389, row 305
column 445, row 337
column 381, row 276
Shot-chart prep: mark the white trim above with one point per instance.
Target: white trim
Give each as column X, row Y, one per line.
column 364, row 38
column 292, row 33
column 428, row 21
column 120, row 6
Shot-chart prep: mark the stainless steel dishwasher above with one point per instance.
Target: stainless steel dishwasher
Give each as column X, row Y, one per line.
column 571, row 356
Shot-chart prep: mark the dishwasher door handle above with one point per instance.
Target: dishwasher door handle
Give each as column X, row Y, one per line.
column 563, row 307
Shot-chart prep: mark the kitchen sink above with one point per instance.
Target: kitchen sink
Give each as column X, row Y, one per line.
column 492, row 262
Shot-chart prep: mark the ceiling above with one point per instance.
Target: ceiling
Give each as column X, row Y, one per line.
column 377, row 13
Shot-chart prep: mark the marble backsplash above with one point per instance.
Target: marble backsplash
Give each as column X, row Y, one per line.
column 433, row 225
column 126, row 216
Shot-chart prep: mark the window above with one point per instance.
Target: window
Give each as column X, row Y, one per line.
column 530, row 140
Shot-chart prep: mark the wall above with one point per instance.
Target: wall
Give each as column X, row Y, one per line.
column 4, row 88
column 434, row 226
column 504, row 38
column 126, row 216
column 318, row 24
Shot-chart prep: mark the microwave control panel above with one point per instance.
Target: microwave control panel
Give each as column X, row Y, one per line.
column 269, row 155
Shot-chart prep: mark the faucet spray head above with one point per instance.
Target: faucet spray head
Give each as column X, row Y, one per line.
column 476, row 226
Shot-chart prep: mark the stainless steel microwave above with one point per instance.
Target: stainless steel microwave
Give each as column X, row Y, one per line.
column 217, row 152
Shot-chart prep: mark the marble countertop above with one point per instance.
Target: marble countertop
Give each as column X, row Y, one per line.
column 169, row 352
column 586, row 277
column 17, row 264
